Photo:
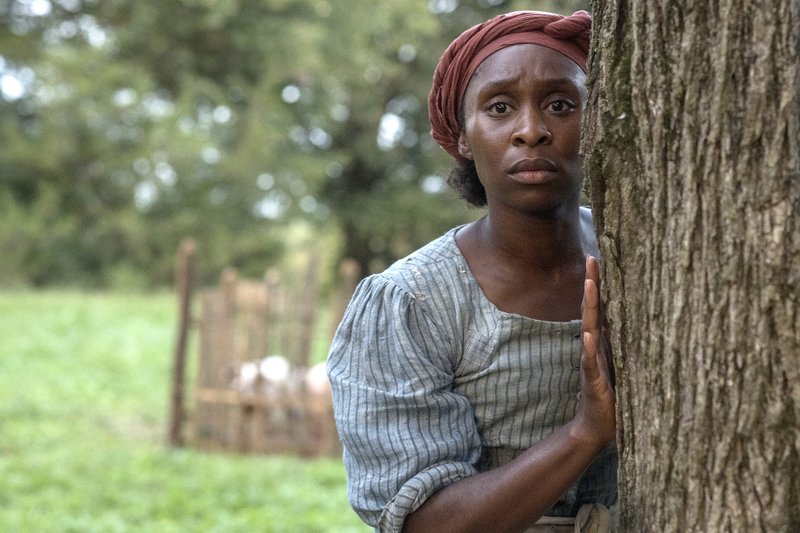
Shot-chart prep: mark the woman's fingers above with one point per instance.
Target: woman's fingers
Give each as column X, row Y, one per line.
column 594, row 340
column 590, row 307
column 596, row 412
column 593, row 270
column 591, row 329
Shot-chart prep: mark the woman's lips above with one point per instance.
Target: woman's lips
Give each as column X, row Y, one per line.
column 538, row 170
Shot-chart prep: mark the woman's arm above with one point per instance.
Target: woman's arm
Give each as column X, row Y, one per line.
column 513, row 496
column 405, row 433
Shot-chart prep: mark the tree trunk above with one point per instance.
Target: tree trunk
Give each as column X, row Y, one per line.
column 692, row 145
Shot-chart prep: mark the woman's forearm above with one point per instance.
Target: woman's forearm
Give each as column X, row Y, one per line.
column 513, row 496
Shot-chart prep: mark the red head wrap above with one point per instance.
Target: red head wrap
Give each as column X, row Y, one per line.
column 568, row 35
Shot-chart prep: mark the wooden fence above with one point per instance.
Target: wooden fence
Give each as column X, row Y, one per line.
column 241, row 322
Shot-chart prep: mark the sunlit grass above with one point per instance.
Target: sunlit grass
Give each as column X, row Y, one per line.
column 84, row 388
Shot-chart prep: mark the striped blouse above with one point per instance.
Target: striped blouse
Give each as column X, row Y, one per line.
column 432, row 383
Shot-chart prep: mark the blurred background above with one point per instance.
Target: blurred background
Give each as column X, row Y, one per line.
column 277, row 135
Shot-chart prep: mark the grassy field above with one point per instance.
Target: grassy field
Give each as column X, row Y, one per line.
column 83, row 409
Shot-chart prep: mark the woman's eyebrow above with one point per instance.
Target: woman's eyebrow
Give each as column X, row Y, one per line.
column 494, row 85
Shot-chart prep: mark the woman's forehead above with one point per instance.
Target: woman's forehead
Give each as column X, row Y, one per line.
column 528, row 61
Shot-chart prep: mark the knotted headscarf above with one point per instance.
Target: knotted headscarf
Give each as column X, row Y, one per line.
column 568, row 35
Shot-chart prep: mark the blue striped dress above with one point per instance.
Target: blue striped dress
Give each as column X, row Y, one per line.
column 432, row 383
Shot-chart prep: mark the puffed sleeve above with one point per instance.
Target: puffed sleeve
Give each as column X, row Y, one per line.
column 405, row 433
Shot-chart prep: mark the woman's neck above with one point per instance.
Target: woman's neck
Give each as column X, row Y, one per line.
column 530, row 265
column 533, row 242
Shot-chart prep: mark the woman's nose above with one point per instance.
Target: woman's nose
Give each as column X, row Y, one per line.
column 531, row 129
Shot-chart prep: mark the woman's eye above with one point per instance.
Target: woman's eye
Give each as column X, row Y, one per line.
column 499, row 108
column 561, row 106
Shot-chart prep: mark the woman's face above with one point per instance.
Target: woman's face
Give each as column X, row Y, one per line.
column 522, row 117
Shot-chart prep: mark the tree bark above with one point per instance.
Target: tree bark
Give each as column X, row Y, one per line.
column 692, row 146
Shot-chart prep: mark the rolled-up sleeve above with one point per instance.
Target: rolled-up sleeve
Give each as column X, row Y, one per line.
column 405, row 433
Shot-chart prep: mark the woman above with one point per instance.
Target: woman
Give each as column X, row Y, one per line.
column 470, row 389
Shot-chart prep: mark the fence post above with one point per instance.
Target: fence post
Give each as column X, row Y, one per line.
column 307, row 311
column 348, row 279
column 183, row 285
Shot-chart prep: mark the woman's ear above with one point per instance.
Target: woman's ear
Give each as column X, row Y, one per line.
column 463, row 147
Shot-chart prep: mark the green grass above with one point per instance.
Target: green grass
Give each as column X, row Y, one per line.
column 84, row 388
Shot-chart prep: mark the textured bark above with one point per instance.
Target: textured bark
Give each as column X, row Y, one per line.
column 692, row 145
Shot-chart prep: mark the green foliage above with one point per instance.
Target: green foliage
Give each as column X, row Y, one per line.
column 83, row 407
column 136, row 124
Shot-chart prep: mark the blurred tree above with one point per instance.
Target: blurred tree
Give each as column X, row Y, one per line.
column 129, row 156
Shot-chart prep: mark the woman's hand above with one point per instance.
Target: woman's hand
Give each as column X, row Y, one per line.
column 595, row 420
